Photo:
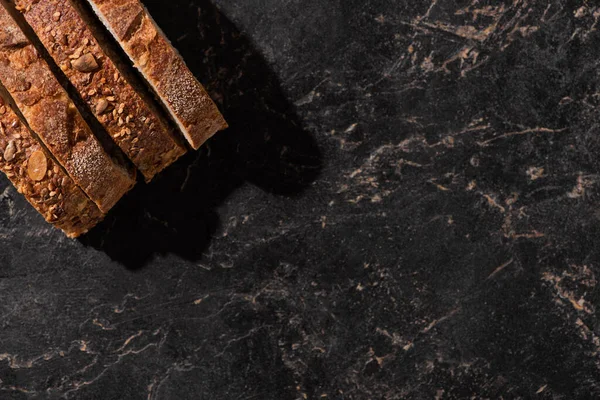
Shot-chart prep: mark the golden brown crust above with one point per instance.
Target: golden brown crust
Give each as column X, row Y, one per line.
column 52, row 115
column 163, row 68
column 44, row 183
column 141, row 132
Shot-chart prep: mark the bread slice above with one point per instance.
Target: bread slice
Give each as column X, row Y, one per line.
column 42, row 181
column 132, row 121
column 53, row 117
column 161, row 65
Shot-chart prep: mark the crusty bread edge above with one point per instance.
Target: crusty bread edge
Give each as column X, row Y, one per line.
column 222, row 124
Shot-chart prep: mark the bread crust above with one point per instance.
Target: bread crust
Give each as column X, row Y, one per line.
column 55, row 120
column 133, row 123
column 36, row 175
column 165, row 70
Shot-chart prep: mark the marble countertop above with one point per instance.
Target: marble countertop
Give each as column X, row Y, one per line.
column 404, row 207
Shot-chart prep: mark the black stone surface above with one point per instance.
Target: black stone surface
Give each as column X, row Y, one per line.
column 405, row 207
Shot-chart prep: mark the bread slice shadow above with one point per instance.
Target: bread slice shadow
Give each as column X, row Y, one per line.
column 265, row 145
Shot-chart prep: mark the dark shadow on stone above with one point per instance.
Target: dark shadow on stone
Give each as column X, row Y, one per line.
column 265, row 145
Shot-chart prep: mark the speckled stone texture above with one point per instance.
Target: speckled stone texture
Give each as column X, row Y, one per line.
column 404, row 207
